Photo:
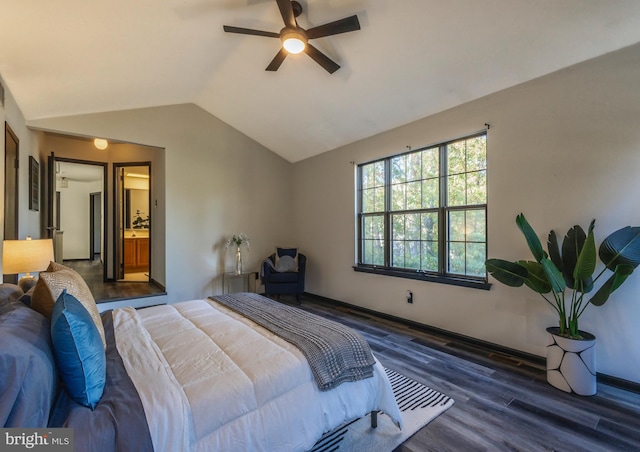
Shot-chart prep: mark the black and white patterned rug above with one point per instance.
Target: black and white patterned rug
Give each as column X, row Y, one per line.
column 418, row 405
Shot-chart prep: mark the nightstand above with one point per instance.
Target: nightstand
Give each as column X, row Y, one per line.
column 243, row 282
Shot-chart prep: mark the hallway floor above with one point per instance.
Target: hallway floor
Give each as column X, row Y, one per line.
column 92, row 272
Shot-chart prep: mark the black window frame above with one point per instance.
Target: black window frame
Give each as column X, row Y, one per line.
column 442, row 275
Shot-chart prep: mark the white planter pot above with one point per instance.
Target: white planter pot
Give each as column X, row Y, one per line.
column 571, row 363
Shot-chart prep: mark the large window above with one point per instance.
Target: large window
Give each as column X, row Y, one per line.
column 423, row 214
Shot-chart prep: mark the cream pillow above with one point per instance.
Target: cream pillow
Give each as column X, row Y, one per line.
column 51, row 284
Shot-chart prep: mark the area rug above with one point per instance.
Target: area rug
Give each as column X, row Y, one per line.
column 418, row 405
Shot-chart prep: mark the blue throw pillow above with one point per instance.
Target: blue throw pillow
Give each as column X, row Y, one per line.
column 78, row 350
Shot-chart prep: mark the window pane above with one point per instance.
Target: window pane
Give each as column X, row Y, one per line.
column 429, row 229
column 429, row 252
column 397, row 227
column 476, row 257
column 477, row 187
column 476, row 226
column 373, row 240
column 398, row 169
column 373, row 187
column 379, row 200
column 456, row 258
column 430, row 193
column 412, row 254
column 397, row 257
column 431, row 163
column 477, row 153
column 456, row 157
column 398, row 197
column 457, row 226
column 414, row 195
column 367, row 251
column 412, row 226
column 378, row 174
column 456, row 190
column 367, row 176
column 373, row 227
column 414, row 166
column 368, row 201
column 378, row 252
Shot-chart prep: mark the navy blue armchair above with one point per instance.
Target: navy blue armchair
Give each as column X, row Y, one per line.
column 279, row 276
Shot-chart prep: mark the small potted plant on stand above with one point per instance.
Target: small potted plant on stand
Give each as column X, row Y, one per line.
column 564, row 277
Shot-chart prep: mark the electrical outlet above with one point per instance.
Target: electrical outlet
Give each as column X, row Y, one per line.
column 409, row 296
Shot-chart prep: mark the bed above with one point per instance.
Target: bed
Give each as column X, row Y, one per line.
column 192, row 376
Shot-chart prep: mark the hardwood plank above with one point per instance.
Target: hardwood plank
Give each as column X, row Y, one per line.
column 501, row 402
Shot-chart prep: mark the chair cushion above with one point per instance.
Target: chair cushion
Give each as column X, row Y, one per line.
column 51, row 284
column 284, row 277
column 78, row 350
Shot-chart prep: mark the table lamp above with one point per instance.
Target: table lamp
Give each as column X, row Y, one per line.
column 26, row 256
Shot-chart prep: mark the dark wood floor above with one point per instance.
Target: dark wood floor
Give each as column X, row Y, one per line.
column 91, row 271
column 501, row 402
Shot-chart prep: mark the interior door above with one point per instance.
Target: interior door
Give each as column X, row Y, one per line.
column 53, row 211
column 11, row 192
column 133, row 224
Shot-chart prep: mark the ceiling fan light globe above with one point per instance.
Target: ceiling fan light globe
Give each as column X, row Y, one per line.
column 293, row 45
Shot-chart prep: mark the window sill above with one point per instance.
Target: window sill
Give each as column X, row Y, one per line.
column 471, row 283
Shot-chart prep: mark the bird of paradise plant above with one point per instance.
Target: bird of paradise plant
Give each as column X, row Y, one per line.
column 566, row 271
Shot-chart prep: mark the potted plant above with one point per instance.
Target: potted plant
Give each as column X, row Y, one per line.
column 564, row 277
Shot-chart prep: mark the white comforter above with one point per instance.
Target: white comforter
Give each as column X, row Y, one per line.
column 209, row 379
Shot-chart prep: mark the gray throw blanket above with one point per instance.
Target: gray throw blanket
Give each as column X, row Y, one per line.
column 336, row 353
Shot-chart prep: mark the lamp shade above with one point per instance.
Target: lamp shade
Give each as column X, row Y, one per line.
column 25, row 256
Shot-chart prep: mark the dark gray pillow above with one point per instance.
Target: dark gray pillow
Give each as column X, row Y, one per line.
column 29, row 380
column 10, row 292
column 286, row 264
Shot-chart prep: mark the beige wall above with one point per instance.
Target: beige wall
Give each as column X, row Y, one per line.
column 563, row 149
column 28, row 220
column 217, row 181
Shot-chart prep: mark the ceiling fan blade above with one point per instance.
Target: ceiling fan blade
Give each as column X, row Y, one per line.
column 249, row 31
column 286, row 10
column 327, row 63
column 333, row 28
column 277, row 61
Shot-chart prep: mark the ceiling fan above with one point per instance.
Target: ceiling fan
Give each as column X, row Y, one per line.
column 295, row 39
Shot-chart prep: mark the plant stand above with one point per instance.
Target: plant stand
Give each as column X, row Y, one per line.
column 571, row 363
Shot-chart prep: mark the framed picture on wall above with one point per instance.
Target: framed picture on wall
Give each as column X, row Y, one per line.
column 34, row 184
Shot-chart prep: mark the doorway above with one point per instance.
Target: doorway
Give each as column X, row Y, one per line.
column 77, row 218
column 134, row 222
column 11, row 172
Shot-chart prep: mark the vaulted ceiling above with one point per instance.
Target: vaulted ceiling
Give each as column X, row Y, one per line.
column 412, row 58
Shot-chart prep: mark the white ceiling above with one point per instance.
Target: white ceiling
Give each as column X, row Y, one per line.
column 412, row 58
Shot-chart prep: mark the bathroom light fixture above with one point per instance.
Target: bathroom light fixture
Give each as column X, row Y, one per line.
column 142, row 176
column 100, row 143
